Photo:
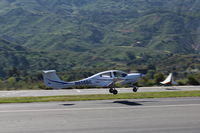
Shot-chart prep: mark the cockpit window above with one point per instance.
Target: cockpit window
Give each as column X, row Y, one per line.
column 124, row 74
column 119, row 74
column 106, row 75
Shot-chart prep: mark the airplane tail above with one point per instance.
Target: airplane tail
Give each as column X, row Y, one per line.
column 52, row 80
column 169, row 80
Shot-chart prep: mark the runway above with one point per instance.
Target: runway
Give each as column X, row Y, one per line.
column 24, row 93
column 167, row 115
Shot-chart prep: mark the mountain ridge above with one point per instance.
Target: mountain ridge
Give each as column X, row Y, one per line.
column 96, row 35
column 36, row 23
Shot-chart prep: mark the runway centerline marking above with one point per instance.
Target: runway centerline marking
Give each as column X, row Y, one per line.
column 102, row 108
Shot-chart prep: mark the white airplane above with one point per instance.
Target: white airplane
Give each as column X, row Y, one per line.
column 102, row 79
column 169, row 80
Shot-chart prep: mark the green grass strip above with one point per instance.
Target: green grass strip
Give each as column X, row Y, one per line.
column 138, row 95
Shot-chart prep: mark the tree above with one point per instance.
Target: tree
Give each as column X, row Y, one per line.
column 10, row 82
column 192, row 81
column 130, row 55
column 145, row 81
column 158, row 77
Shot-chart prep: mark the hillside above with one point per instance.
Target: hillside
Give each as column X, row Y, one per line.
column 82, row 37
column 171, row 25
column 8, row 46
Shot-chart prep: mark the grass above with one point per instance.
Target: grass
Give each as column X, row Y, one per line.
column 139, row 95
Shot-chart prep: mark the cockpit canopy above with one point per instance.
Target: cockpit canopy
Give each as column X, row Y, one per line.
column 112, row 74
column 119, row 74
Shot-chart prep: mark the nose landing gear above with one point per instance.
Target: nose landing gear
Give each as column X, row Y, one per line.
column 135, row 88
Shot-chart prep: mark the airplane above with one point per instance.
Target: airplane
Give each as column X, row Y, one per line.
column 169, row 80
column 102, row 79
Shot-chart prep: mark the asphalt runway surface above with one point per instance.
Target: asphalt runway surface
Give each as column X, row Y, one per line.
column 24, row 93
column 167, row 115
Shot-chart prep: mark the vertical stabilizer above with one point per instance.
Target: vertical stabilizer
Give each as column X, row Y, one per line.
column 51, row 74
column 169, row 80
column 52, row 80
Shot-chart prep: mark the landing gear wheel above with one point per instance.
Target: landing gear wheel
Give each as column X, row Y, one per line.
column 111, row 90
column 135, row 89
column 115, row 92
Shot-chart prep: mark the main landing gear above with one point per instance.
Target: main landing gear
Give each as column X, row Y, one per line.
column 135, row 88
column 113, row 91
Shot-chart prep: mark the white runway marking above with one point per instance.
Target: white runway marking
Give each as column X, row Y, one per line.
column 100, row 108
column 78, row 91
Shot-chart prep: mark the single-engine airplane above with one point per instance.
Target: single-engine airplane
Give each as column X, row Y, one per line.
column 102, row 79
